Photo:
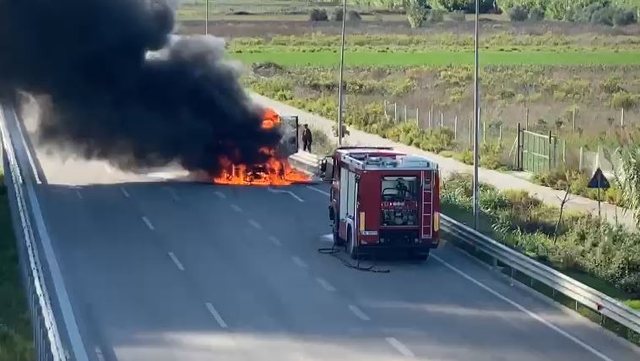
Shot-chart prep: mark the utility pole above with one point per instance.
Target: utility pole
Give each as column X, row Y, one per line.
column 476, row 128
column 340, row 83
column 206, row 17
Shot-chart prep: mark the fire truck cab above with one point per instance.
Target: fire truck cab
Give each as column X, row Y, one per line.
column 383, row 200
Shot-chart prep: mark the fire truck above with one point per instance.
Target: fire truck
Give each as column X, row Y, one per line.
column 383, row 200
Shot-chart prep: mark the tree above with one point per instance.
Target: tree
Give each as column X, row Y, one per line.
column 417, row 12
column 629, row 179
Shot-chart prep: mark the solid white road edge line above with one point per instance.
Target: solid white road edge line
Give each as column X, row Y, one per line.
column 359, row 313
column 299, row 262
column 325, row 284
column 147, row 222
column 216, row 315
column 176, row 261
column 318, row 190
column 399, row 347
column 523, row 309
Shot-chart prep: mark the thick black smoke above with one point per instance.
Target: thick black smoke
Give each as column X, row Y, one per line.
column 110, row 99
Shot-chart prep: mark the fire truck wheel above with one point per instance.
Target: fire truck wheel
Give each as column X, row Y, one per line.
column 351, row 245
column 337, row 241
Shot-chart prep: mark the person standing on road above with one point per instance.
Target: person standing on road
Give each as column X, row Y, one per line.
column 307, row 139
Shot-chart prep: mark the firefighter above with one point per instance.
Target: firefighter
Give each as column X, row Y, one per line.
column 402, row 189
column 306, row 139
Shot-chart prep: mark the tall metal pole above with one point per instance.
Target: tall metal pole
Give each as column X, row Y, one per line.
column 206, row 17
column 340, row 83
column 476, row 127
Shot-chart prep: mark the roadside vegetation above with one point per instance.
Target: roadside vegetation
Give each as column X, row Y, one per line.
column 15, row 326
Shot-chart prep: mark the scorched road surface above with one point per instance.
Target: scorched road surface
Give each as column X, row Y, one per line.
column 164, row 270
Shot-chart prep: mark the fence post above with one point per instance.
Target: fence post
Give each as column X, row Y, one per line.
column 395, row 112
column 405, row 112
column 526, row 118
column 573, row 119
column 470, row 133
column 550, row 142
column 519, row 148
column 418, row 117
column 430, row 116
column 564, row 152
column 384, row 102
column 455, row 127
column 441, row 120
column 580, row 160
column 622, row 117
column 500, row 134
column 484, row 131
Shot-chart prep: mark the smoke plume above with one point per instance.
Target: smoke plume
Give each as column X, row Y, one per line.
column 111, row 99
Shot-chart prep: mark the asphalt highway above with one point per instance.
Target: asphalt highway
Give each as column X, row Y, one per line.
column 171, row 270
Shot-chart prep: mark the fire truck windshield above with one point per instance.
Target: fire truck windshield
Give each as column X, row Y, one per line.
column 399, row 201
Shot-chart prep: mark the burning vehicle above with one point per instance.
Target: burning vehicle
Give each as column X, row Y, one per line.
column 276, row 171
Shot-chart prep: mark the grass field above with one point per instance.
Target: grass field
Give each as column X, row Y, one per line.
column 439, row 58
column 15, row 326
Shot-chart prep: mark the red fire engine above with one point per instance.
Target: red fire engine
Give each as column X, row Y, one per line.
column 383, row 199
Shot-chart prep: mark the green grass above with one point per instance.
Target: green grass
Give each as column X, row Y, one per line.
column 15, row 327
column 436, row 58
column 604, row 287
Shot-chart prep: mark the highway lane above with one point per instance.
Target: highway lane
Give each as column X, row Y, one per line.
column 180, row 271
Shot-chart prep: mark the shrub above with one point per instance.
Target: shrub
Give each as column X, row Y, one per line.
column 353, row 16
column 318, row 15
column 536, row 14
column 625, row 100
column 624, row 17
column 417, row 12
column 458, row 15
column 337, row 14
column 518, row 13
column 435, row 16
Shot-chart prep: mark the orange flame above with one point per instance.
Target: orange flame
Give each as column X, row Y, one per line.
column 275, row 171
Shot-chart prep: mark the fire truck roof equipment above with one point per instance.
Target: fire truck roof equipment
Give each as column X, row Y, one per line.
column 368, row 159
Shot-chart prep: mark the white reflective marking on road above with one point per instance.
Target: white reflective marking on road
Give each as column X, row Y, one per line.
column 124, row 192
column 255, row 224
column 236, row 208
column 216, row 315
column 147, row 222
column 275, row 241
column 400, row 347
column 295, row 196
column 176, row 261
column 522, row 308
column 220, row 195
column 359, row 313
column 78, row 194
column 318, row 190
column 299, row 262
column 325, row 284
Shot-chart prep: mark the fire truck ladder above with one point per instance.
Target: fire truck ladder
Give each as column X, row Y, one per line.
column 427, row 212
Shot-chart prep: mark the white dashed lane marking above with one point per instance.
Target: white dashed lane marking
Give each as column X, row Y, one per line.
column 220, row 195
column 299, row 262
column 404, row 351
column 318, row 190
column 358, row 312
column 148, row 223
column 125, row 193
column 236, row 208
column 255, row 224
column 216, row 315
column 325, row 284
column 275, row 241
column 176, row 261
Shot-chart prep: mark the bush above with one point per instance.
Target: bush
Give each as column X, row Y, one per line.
column 353, row 16
column 337, row 14
column 625, row 100
column 435, row 16
column 417, row 12
column 518, row 13
column 318, row 15
column 624, row 17
column 536, row 14
column 458, row 15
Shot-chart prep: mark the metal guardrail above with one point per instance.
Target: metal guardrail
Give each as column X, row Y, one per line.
column 46, row 337
column 587, row 296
